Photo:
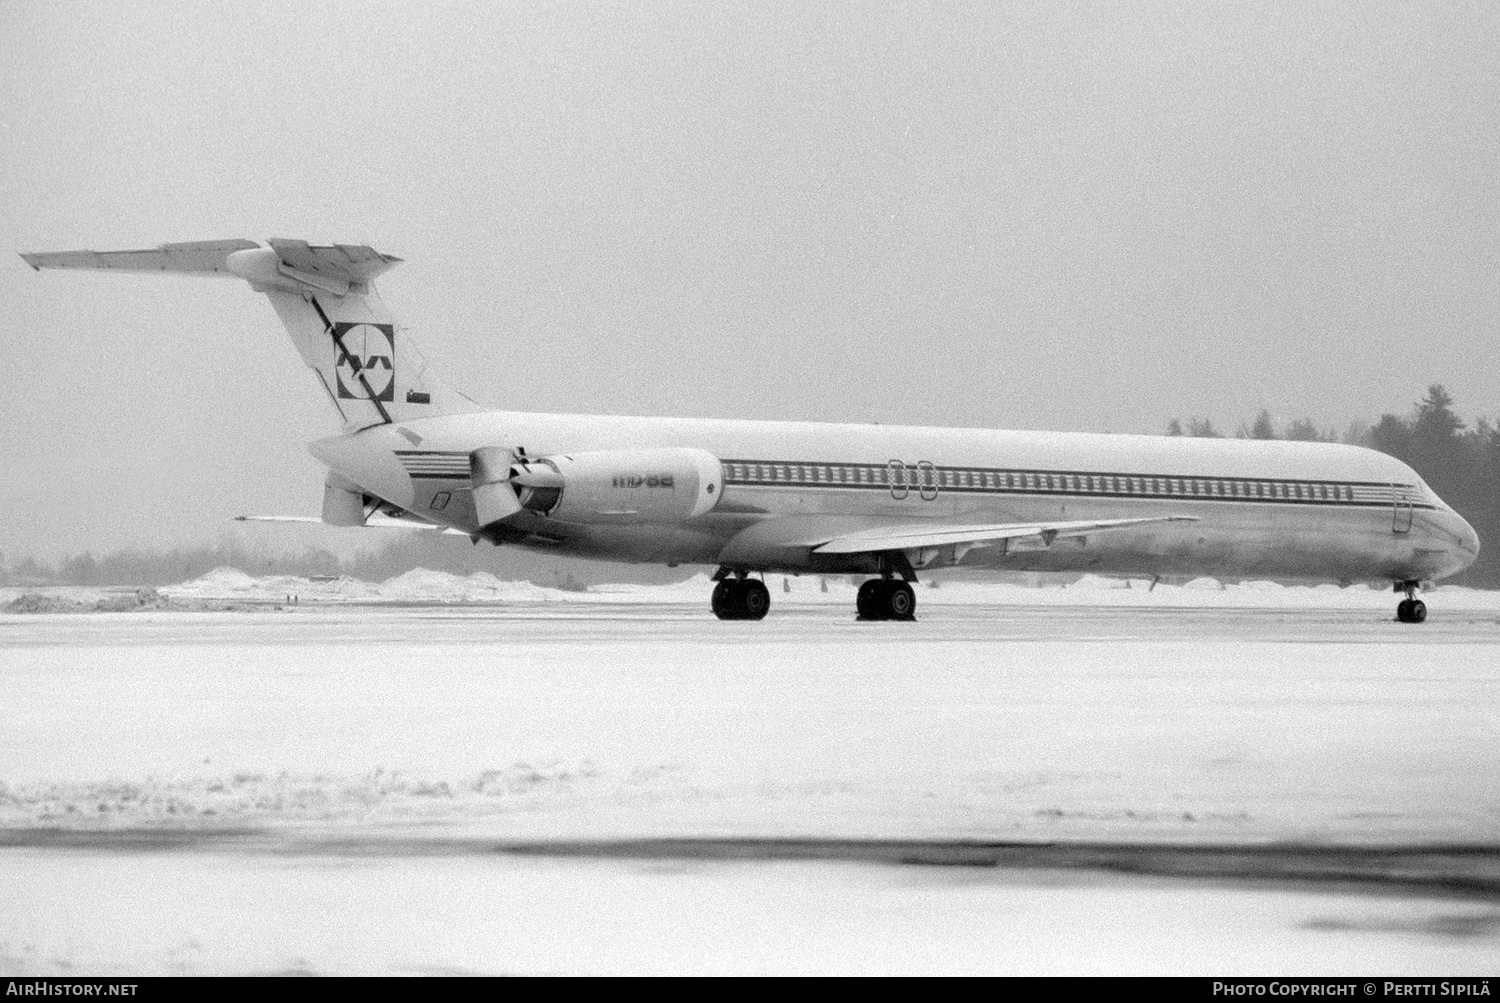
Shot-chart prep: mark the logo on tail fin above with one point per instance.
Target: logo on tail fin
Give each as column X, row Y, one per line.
column 369, row 350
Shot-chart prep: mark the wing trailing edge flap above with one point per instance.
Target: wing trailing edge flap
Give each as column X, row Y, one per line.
column 907, row 536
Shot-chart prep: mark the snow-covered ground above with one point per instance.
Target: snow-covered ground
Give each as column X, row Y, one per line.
column 435, row 708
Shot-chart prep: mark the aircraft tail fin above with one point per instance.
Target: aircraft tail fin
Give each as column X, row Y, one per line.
column 326, row 298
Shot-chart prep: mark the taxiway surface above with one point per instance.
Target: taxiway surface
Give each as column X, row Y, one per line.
column 370, row 788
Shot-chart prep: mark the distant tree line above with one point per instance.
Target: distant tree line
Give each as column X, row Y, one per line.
column 1459, row 461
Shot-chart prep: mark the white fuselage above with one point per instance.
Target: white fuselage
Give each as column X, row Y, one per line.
column 1261, row 509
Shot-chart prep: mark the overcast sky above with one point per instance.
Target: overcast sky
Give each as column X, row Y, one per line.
column 1062, row 216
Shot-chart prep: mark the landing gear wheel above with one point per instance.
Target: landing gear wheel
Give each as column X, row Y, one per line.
column 900, row 602
column 723, row 599
column 755, row 599
column 881, row 599
column 741, row 599
column 1411, row 611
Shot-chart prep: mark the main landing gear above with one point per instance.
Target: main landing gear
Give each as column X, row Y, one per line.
column 1411, row 609
column 741, row 599
column 886, row 599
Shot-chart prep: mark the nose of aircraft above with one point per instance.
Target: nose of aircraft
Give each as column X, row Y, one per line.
column 1459, row 540
column 1468, row 540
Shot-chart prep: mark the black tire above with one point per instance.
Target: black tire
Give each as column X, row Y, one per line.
column 1418, row 611
column 867, row 601
column 725, row 600
column 900, row 602
column 754, row 600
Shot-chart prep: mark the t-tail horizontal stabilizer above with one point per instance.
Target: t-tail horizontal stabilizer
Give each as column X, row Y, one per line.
column 325, row 296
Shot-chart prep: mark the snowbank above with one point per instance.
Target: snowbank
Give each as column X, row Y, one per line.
column 60, row 601
column 232, row 588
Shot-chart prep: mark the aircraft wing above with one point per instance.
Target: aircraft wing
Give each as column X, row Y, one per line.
column 905, row 536
column 377, row 520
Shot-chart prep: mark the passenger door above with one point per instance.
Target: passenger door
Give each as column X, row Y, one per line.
column 1401, row 513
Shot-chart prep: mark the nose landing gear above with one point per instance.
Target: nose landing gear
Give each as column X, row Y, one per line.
column 1411, row 609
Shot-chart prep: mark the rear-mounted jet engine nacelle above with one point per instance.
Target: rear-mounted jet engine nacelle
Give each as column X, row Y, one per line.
column 621, row 485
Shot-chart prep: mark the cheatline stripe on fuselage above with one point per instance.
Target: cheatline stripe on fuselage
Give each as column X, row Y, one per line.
column 430, row 464
column 917, row 479
column 931, row 478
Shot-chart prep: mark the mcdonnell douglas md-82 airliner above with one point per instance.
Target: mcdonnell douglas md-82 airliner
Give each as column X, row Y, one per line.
column 756, row 496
